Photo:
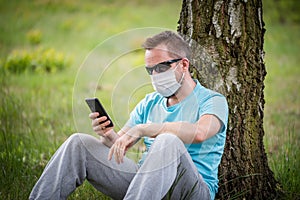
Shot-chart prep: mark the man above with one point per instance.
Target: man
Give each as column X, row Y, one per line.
column 184, row 129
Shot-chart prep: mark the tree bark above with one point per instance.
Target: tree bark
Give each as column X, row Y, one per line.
column 227, row 38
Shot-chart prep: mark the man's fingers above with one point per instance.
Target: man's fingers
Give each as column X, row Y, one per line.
column 105, row 124
column 98, row 129
column 118, row 152
column 120, row 155
column 93, row 115
column 114, row 151
column 100, row 120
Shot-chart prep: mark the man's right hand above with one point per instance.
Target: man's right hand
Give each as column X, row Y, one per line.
column 100, row 124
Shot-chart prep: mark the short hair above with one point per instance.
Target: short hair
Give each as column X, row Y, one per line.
column 175, row 44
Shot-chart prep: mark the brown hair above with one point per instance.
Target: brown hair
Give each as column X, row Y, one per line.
column 175, row 44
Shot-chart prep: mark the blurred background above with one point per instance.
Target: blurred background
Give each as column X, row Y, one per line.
column 53, row 54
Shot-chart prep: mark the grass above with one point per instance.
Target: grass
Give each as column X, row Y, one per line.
column 39, row 111
column 282, row 109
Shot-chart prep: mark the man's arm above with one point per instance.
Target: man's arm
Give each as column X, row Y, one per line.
column 207, row 126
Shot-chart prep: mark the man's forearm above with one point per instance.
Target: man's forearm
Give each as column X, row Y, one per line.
column 206, row 127
column 185, row 131
column 109, row 139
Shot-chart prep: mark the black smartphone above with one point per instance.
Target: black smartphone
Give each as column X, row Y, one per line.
column 96, row 106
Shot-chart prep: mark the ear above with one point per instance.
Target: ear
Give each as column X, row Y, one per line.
column 185, row 64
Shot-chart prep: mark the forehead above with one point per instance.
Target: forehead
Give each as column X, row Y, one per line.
column 156, row 55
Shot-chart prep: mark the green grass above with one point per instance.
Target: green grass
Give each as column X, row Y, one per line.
column 39, row 111
column 282, row 109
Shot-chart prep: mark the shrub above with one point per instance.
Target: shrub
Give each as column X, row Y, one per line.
column 18, row 61
column 34, row 36
column 39, row 60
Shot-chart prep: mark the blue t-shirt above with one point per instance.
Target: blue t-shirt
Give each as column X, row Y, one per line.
column 205, row 155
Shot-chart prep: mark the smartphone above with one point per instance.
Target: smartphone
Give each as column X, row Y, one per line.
column 96, row 106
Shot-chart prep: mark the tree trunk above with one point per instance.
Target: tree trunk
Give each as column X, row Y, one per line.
column 232, row 33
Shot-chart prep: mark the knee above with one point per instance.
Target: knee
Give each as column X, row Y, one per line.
column 168, row 139
column 166, row 136
column 168, row 144
column 84, row 140
column 74, row 139
column 78, row 139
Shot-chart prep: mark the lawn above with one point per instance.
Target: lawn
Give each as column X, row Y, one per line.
column 101, row 41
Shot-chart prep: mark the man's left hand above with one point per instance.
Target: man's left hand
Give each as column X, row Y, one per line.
column 123, row 143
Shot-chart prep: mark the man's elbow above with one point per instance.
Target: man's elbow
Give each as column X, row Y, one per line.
column 199, row 137
column 204, row 134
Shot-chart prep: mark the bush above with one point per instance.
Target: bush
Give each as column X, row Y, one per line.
column 34, row 36
column 40, row 61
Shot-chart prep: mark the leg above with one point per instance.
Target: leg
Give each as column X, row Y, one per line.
column 168, row 166
column 188, row 183
column 83, row 156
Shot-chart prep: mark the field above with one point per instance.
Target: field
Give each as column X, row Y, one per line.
column 101, row 42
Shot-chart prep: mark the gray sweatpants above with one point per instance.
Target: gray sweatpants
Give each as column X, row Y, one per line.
column 167, row 173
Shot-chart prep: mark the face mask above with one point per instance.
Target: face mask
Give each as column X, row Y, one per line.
column 165, row 83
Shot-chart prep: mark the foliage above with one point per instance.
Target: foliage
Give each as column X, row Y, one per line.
column 282, row 11
column 34, row 36
column 40, row 61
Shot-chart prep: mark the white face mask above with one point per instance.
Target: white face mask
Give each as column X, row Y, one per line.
column 165, row 83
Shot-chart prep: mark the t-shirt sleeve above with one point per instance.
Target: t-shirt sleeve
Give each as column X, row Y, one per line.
column 216, row 105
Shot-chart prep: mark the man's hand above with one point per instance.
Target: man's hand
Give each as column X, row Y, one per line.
column 99, row 124
column 123, row 143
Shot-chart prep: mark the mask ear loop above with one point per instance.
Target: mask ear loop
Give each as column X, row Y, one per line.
column 182, row 75
column 182, row 78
